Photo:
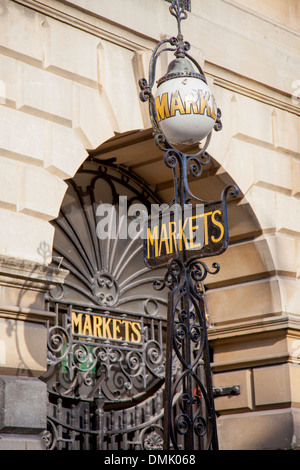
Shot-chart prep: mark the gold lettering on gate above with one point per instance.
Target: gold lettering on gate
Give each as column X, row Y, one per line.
column 97, row 326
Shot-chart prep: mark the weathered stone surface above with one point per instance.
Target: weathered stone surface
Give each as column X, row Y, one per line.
column 23, row 405
column 264, row 430
column 21, row 442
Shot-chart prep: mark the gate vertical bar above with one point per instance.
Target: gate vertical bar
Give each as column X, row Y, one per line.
column 99, row 415
column 168, row 383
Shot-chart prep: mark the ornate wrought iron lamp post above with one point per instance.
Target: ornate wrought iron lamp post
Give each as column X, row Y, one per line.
column 184, row 111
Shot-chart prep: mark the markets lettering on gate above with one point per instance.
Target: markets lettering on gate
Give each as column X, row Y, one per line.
column 103, row 327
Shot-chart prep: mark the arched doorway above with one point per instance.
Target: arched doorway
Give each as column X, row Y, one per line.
column 106, row 341
column 120, row 404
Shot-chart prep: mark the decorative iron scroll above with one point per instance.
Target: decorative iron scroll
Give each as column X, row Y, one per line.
column 83, row 425
column 106, row 343
column 107, row 318
column 80, row 362
column 195, row 420
column 185, row 4
column 103, row 272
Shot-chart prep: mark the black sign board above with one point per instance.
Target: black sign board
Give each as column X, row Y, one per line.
column 199, row 231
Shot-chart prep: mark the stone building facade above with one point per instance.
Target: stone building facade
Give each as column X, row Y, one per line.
column 69, row 74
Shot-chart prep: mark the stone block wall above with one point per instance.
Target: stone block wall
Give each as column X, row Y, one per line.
column 68, row 83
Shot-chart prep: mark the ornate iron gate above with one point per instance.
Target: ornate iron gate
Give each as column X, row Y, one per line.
column 106, row 341
column 104, row 393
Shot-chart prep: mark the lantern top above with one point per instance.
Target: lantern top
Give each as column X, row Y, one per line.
column 180, row 67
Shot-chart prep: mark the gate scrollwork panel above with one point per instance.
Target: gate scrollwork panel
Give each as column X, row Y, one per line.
column 106, row 344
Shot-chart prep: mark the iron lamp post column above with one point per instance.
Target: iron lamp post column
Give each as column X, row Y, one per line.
column 184, row 111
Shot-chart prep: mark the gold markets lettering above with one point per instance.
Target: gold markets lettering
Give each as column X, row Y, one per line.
column 171, row 237
column 167, row 106
column 103, row 327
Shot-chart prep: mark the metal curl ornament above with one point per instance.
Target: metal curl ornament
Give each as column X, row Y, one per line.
column 199, row 270
column 177, row 10
column 174, row 277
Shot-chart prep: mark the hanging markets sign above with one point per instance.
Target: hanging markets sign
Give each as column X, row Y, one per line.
column 199, row 231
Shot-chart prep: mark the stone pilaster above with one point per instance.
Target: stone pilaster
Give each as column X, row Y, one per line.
column 23, row 351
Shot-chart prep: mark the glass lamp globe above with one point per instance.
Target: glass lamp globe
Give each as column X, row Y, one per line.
column 185, row 107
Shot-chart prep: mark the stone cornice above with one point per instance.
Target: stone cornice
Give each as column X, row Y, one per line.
column 279, row 326
column 19, row 278
column 251, row 361
column 25, row 314
column 68, row 15
column 93, row 24
column 261, row 17
column 29, row 275
column 231, row 331
column 284, row 102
